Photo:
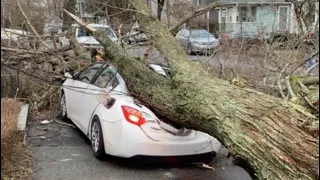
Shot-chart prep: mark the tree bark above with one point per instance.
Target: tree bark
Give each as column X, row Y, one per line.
column 160, row 8
column 263, row 130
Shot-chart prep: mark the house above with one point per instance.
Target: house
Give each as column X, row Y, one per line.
column 52, row 24
column 255, row 17
column 251, row 17
column 83, row 12
column 211, row 17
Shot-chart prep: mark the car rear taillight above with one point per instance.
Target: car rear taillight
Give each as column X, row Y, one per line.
column 133, row 116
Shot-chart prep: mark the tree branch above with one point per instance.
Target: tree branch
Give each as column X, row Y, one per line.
column 195, row 14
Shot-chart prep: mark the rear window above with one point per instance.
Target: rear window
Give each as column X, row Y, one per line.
column 107, row 30
column 200, row 33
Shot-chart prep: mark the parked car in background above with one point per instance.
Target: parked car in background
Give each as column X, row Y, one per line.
column 197, row 41
column 97, row 101
column 236, row 36
column 89, row 42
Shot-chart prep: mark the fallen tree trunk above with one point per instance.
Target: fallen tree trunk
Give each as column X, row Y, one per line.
column 265, row 131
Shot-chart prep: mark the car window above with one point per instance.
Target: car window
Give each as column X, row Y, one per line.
column 87, row 74
column 107, row 30
column 107, row 78
column 82, row 32
column 200, row 33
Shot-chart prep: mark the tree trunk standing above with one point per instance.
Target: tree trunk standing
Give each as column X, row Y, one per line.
column 263, row 130
column 160, row 8
column 107, row 14
column 69, row 5
column 168, row 13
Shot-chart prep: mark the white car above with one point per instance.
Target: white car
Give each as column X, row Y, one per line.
column 97, row 101
column 87, row 41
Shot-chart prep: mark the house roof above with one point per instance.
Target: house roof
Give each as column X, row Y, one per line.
column 53, row 18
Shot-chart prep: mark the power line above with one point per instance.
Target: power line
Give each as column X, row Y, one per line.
column 72, row 88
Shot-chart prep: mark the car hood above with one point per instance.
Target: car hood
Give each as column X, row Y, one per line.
column 91, row 40
column 203, row 39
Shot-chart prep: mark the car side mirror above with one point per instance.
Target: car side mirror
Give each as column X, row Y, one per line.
column 68, row 75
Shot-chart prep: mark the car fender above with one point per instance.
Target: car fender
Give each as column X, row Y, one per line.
column 104, row 115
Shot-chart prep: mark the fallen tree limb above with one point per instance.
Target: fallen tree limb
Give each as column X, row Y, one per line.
column 265, row 131
column 30, row 25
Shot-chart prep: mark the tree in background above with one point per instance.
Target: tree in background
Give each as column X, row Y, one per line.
column 69, row 5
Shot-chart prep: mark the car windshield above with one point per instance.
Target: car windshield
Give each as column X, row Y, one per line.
column 200, row 33
column 107, row 30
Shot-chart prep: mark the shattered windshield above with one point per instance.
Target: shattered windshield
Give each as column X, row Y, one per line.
column 107, row 30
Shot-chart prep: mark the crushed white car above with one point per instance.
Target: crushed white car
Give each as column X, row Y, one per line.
column 97, row 101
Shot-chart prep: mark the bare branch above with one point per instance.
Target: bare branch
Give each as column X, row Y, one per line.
column 195, row 14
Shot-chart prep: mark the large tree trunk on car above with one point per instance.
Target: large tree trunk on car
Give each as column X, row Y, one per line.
column 272, row 135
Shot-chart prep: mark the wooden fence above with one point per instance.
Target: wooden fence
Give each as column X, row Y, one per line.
column 10, row 82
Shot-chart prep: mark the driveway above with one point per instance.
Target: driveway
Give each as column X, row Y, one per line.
column 61, row 152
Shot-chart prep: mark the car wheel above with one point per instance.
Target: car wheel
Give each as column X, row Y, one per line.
column 63, row 107
column 210, row 158
column 97, row 139
column 189, row 49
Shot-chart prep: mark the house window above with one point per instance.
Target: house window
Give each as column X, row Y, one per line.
column 223, row 12
column 77, row 8
column 283, row 17
column 223, row 15
column 247, row 14
column 230, row 14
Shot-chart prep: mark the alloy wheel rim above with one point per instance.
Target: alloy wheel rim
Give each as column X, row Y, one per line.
column 95, row 136
column 63, row 106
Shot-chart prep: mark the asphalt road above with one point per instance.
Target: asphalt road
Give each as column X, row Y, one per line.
column 60, row 152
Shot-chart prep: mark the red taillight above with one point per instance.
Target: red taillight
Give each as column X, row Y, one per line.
column 133, row 116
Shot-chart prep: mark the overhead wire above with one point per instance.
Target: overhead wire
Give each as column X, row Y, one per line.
column 72, row 88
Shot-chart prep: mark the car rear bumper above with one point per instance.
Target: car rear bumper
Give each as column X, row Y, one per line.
column 153, row 148
column 134, row 142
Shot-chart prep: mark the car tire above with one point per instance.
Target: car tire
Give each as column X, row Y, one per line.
column 97, row 143
column 189, row 49
column 210, row 158
column 63, row 107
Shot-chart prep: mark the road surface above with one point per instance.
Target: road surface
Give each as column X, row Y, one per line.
column 60, row 152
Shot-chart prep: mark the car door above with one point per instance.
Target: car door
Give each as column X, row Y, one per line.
column 183, row 38
column 74, row 93
column 179, row 37
column 104, row 82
